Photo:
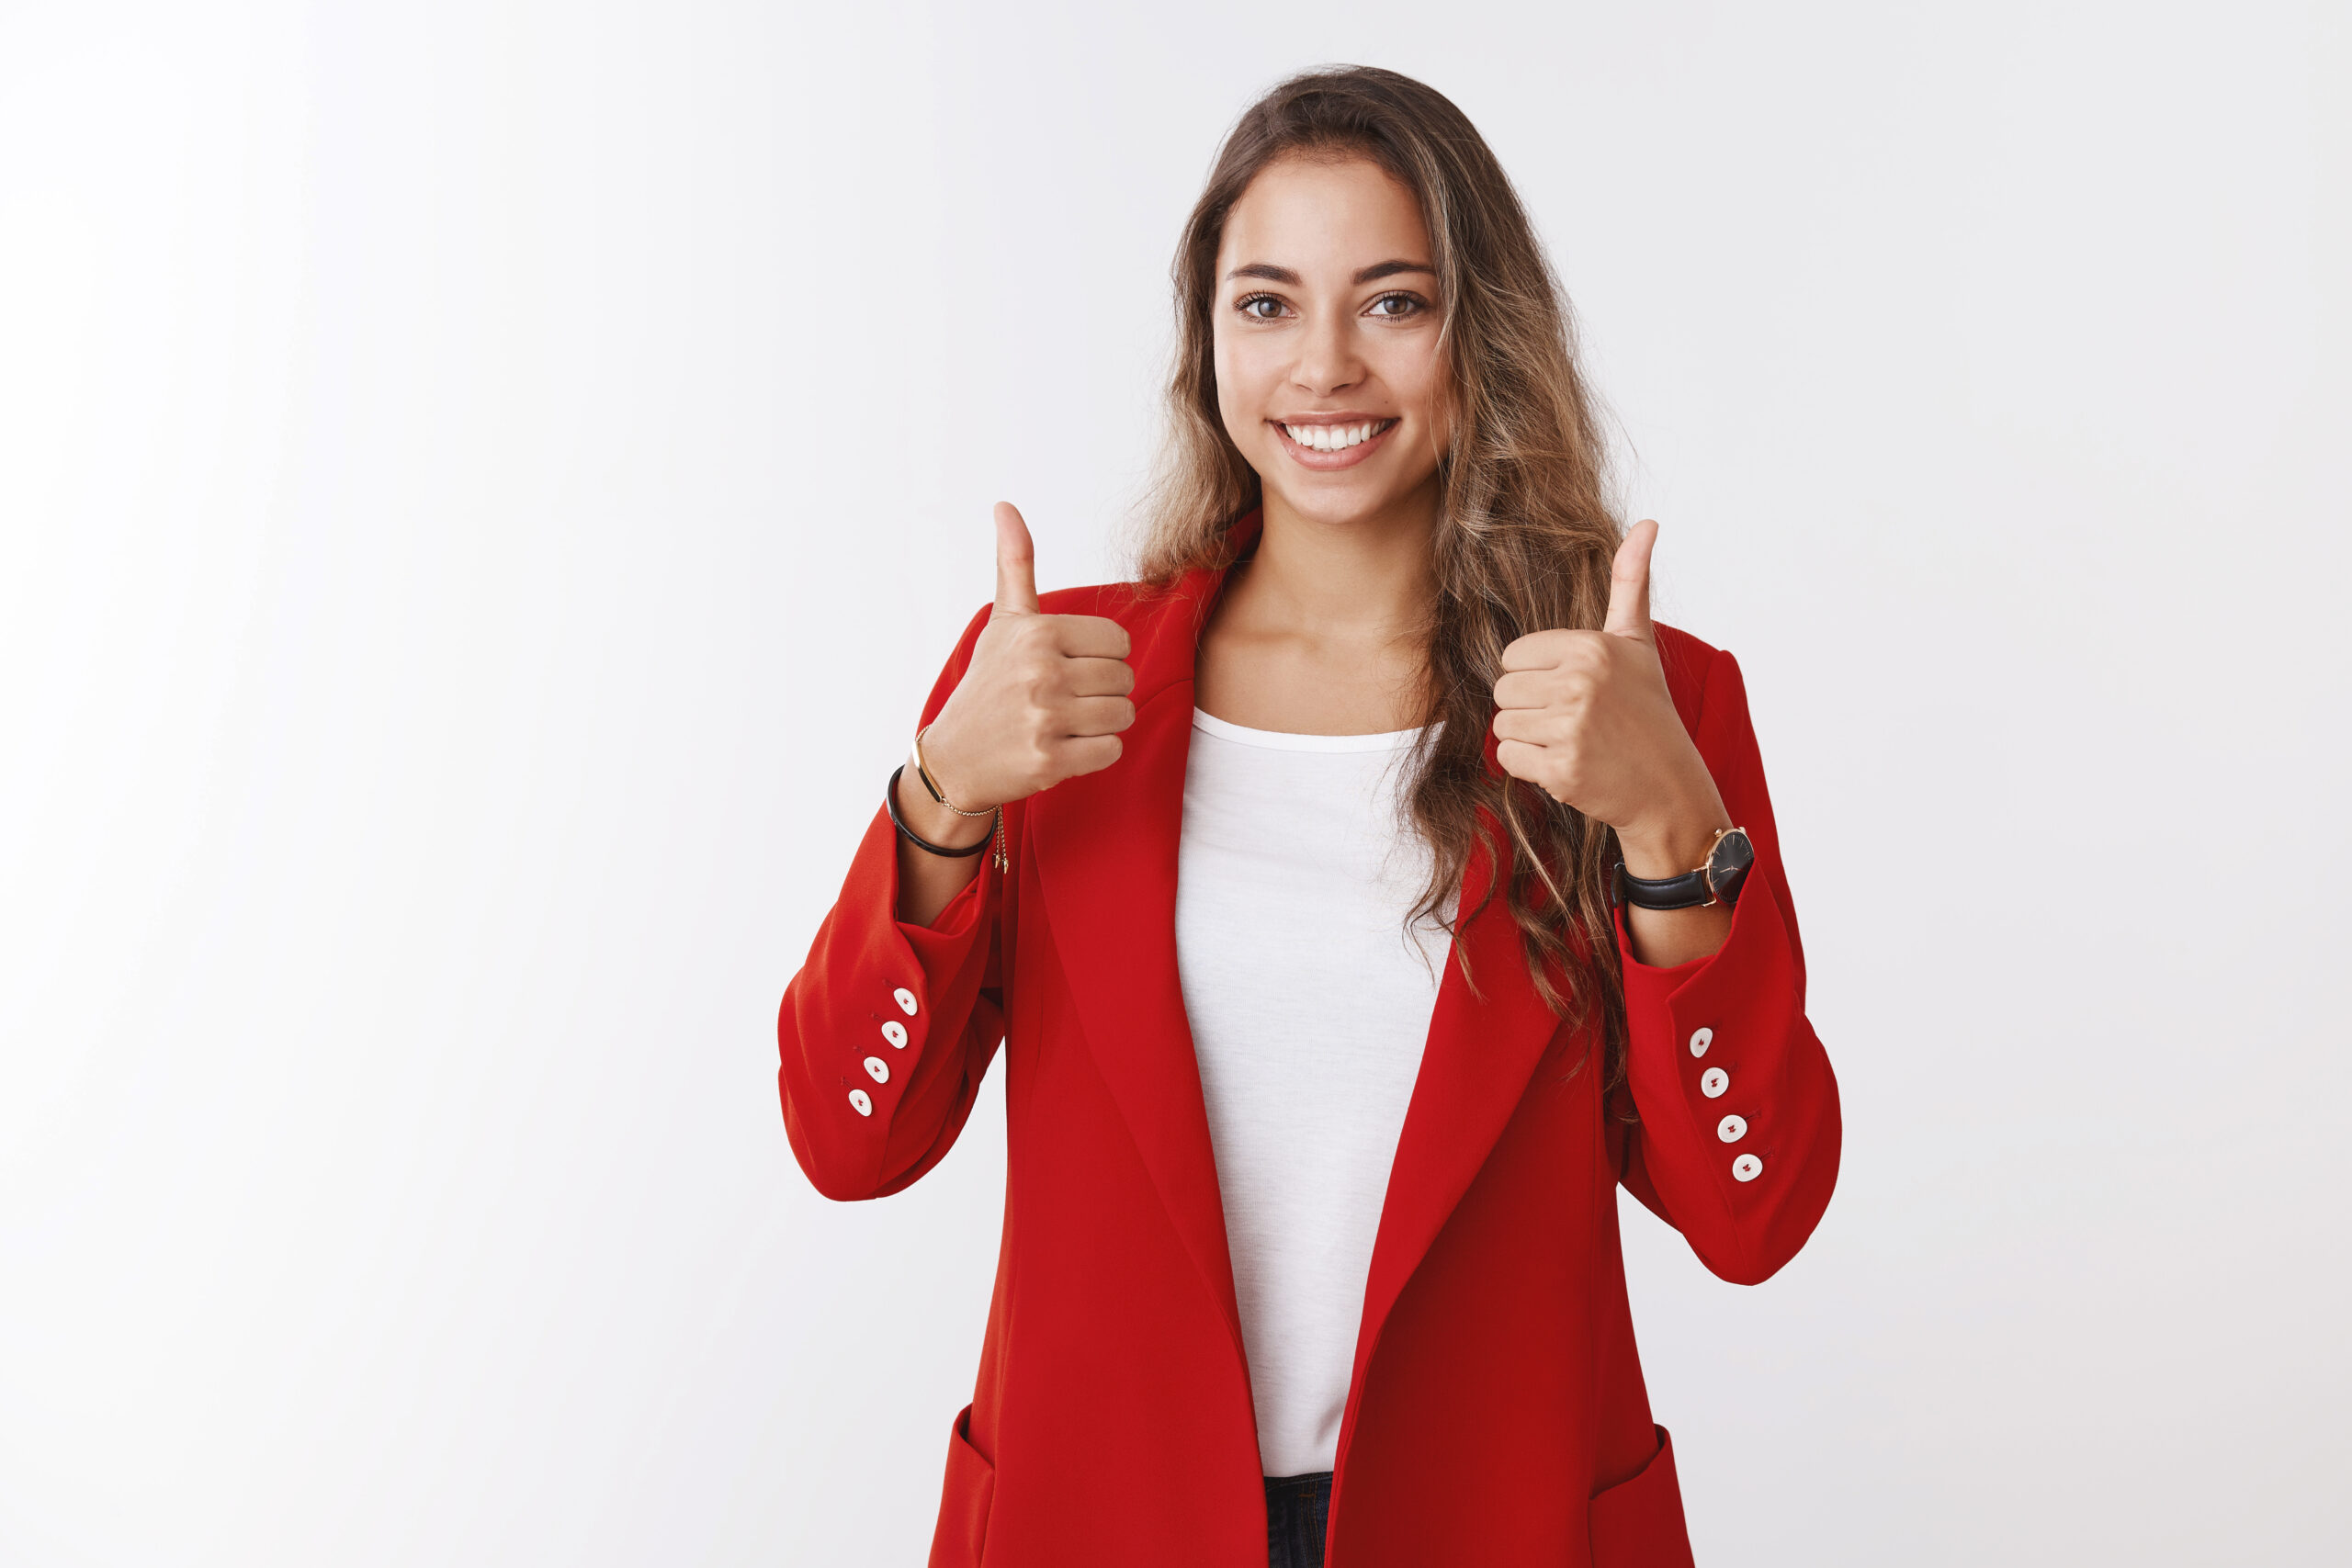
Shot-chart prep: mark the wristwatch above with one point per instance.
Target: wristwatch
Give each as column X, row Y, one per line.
column 1716, row 882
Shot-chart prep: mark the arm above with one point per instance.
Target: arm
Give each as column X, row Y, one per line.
column 1589, row 718
column 1743, row 1007
column 849, row 1004
column 887, row 1030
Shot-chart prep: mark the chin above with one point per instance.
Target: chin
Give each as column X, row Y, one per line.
column 1339, row 500
column 1336, row 507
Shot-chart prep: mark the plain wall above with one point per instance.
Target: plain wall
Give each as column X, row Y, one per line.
column 485, row 488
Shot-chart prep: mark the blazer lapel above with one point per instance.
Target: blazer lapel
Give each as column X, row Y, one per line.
column 1106, row 846
column 1481, row 1053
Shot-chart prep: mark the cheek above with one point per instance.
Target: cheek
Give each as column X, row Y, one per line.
column 1421, row 378
column 1238, row 398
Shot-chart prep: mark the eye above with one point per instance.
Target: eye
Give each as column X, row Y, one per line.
column 1260, row 307
column 1396, row 307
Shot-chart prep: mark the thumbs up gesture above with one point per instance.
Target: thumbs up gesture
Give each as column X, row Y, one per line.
column 1043, row 699
column 1585, row 717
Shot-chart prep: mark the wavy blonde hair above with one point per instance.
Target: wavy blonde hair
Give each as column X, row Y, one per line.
column 1525, row 534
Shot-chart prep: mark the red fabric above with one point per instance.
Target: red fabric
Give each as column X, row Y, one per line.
column 1497, row 1413
column 1638, row 1522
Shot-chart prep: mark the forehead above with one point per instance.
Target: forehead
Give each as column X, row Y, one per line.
column 1313, row 214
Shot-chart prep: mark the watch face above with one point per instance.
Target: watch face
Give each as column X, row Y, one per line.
column 1727, row 867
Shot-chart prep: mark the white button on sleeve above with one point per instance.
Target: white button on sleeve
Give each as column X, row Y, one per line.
column 906, row 1001
column 895, row 1034
column 1731, row 1129
column 1712, row 1082
column 878, row 1069
column 1699, row 1039
column 858, row 1097
column 1746, row 1167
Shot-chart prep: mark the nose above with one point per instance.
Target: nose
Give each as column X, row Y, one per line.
column 1328, row 360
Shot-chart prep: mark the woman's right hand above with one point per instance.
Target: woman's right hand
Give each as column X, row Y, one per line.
column 1043, row 699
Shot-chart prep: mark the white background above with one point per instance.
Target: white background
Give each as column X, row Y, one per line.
column 486, row 487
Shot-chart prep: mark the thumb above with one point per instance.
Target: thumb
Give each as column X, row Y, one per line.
column 1016, row 563
column 1629, row 584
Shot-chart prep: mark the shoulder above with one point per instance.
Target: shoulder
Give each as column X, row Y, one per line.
column 1132, row 604
column 1161, row 622
column 1692, row 666
column 1129, row 603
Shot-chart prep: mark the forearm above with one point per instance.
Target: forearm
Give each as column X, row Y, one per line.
column 928, row 882
column 887, row 1029
column 1669, row 846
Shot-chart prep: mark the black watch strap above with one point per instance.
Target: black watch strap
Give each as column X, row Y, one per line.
column 1728, row 860
column 1688, row 891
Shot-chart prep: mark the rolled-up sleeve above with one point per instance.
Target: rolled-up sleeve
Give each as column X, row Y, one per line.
column 887, row 1030
column 1737, row 1141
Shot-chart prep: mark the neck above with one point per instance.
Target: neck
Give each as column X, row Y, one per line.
column 1323, row 632
column 1365, row 579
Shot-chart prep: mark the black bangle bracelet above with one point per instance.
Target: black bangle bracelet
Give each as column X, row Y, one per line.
column 891, row 802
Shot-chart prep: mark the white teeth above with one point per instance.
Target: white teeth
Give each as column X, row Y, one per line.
column 1331, row 437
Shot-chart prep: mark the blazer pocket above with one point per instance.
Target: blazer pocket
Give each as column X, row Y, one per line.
column 964, row 1503
column 1638, row 1522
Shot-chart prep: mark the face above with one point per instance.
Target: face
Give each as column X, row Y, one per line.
column 1328, row 368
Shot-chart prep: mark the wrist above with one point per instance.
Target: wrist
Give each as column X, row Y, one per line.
column 1672, row 843
column 934, row 821
column 944, row 774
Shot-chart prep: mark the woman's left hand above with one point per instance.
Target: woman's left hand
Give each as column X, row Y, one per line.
column 1586, row 717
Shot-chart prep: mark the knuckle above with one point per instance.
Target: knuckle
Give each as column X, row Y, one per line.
column 1530, row 648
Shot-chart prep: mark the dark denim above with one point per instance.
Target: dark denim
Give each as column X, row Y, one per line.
column 1298, row 1510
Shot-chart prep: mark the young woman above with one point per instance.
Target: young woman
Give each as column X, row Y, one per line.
column 1361, row 897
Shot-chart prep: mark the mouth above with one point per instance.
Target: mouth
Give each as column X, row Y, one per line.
column 1340, row 444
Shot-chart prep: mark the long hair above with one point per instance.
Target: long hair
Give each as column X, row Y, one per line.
column 1524, row 535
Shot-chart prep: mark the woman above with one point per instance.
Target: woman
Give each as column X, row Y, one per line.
column 1290, row 877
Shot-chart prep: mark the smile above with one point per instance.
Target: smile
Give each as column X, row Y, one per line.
column 1333, row 445
column 1335, row 437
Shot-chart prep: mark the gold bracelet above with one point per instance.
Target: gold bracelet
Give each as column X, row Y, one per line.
column 932, row 784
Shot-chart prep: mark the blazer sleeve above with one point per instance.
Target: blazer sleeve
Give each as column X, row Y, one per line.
column 1737, row 1140
column 888, row 1028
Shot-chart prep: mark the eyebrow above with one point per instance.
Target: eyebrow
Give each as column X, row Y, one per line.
column 1267, row 272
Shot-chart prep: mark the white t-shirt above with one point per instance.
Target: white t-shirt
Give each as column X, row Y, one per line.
column 1310, row 1005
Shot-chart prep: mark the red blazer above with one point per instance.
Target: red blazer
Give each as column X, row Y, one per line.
column 1497, row 1413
